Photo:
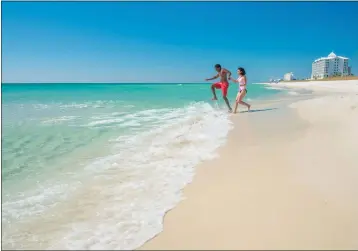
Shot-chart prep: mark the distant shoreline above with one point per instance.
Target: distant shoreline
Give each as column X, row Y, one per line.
column 327, row 79
column 323, row 79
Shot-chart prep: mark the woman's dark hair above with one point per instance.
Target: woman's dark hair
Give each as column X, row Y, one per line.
column 217, row 66
column 242, row 71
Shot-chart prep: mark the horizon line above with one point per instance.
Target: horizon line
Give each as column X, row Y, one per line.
column 113, row 83
column 102, row 82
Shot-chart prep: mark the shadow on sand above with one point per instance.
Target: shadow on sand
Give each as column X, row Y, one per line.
column 260, row 110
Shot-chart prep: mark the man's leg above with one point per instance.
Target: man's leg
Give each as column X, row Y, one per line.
column 213, row 87
column 224, row 89
column 227, row 103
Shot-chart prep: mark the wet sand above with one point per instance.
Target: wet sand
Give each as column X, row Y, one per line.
column 286, row 179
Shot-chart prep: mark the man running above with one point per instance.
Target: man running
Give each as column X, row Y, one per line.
column 223, row 84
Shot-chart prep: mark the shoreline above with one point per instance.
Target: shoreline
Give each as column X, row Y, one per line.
column 346, row 78
column 319, row 87
column 268, row 191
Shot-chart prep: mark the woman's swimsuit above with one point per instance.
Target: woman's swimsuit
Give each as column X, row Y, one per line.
column 241, row 86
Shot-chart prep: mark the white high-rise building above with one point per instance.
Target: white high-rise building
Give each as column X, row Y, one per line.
column 288, row 76
column 332, row 65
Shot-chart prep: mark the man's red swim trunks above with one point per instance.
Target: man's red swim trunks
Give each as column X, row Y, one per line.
column 223, row 86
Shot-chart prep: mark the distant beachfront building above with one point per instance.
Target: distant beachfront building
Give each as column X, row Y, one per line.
column 288, row 76
column 275, row 80
column 332, row 65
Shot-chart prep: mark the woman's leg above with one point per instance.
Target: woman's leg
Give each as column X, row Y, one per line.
column 241, row 97
column 236, row 102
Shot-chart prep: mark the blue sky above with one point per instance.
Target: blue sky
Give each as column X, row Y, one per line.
column 171, row 41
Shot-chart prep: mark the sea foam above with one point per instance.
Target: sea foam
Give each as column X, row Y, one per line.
column 118, row 201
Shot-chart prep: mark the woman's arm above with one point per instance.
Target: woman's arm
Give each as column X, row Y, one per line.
column 234, row 80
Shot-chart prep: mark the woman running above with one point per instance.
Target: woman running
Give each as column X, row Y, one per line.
column 242, row 89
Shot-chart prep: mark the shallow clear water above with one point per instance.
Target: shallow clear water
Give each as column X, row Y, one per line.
column 96, row 166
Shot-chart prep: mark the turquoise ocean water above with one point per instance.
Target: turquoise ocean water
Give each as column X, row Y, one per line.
column 96, row 166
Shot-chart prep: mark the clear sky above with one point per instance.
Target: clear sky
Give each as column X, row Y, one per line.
column 171, row 41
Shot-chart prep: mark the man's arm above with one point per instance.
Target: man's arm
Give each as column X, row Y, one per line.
column 216, row 76
column 228, row 73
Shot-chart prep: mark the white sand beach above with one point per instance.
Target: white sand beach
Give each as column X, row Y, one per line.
column 337, row 86
column 286, row 179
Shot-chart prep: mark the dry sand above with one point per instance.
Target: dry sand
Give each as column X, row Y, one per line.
column 286, row 179
column 344, row 86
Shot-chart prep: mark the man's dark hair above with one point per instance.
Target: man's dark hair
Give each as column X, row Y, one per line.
column 217, row 66
column 242, row 70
